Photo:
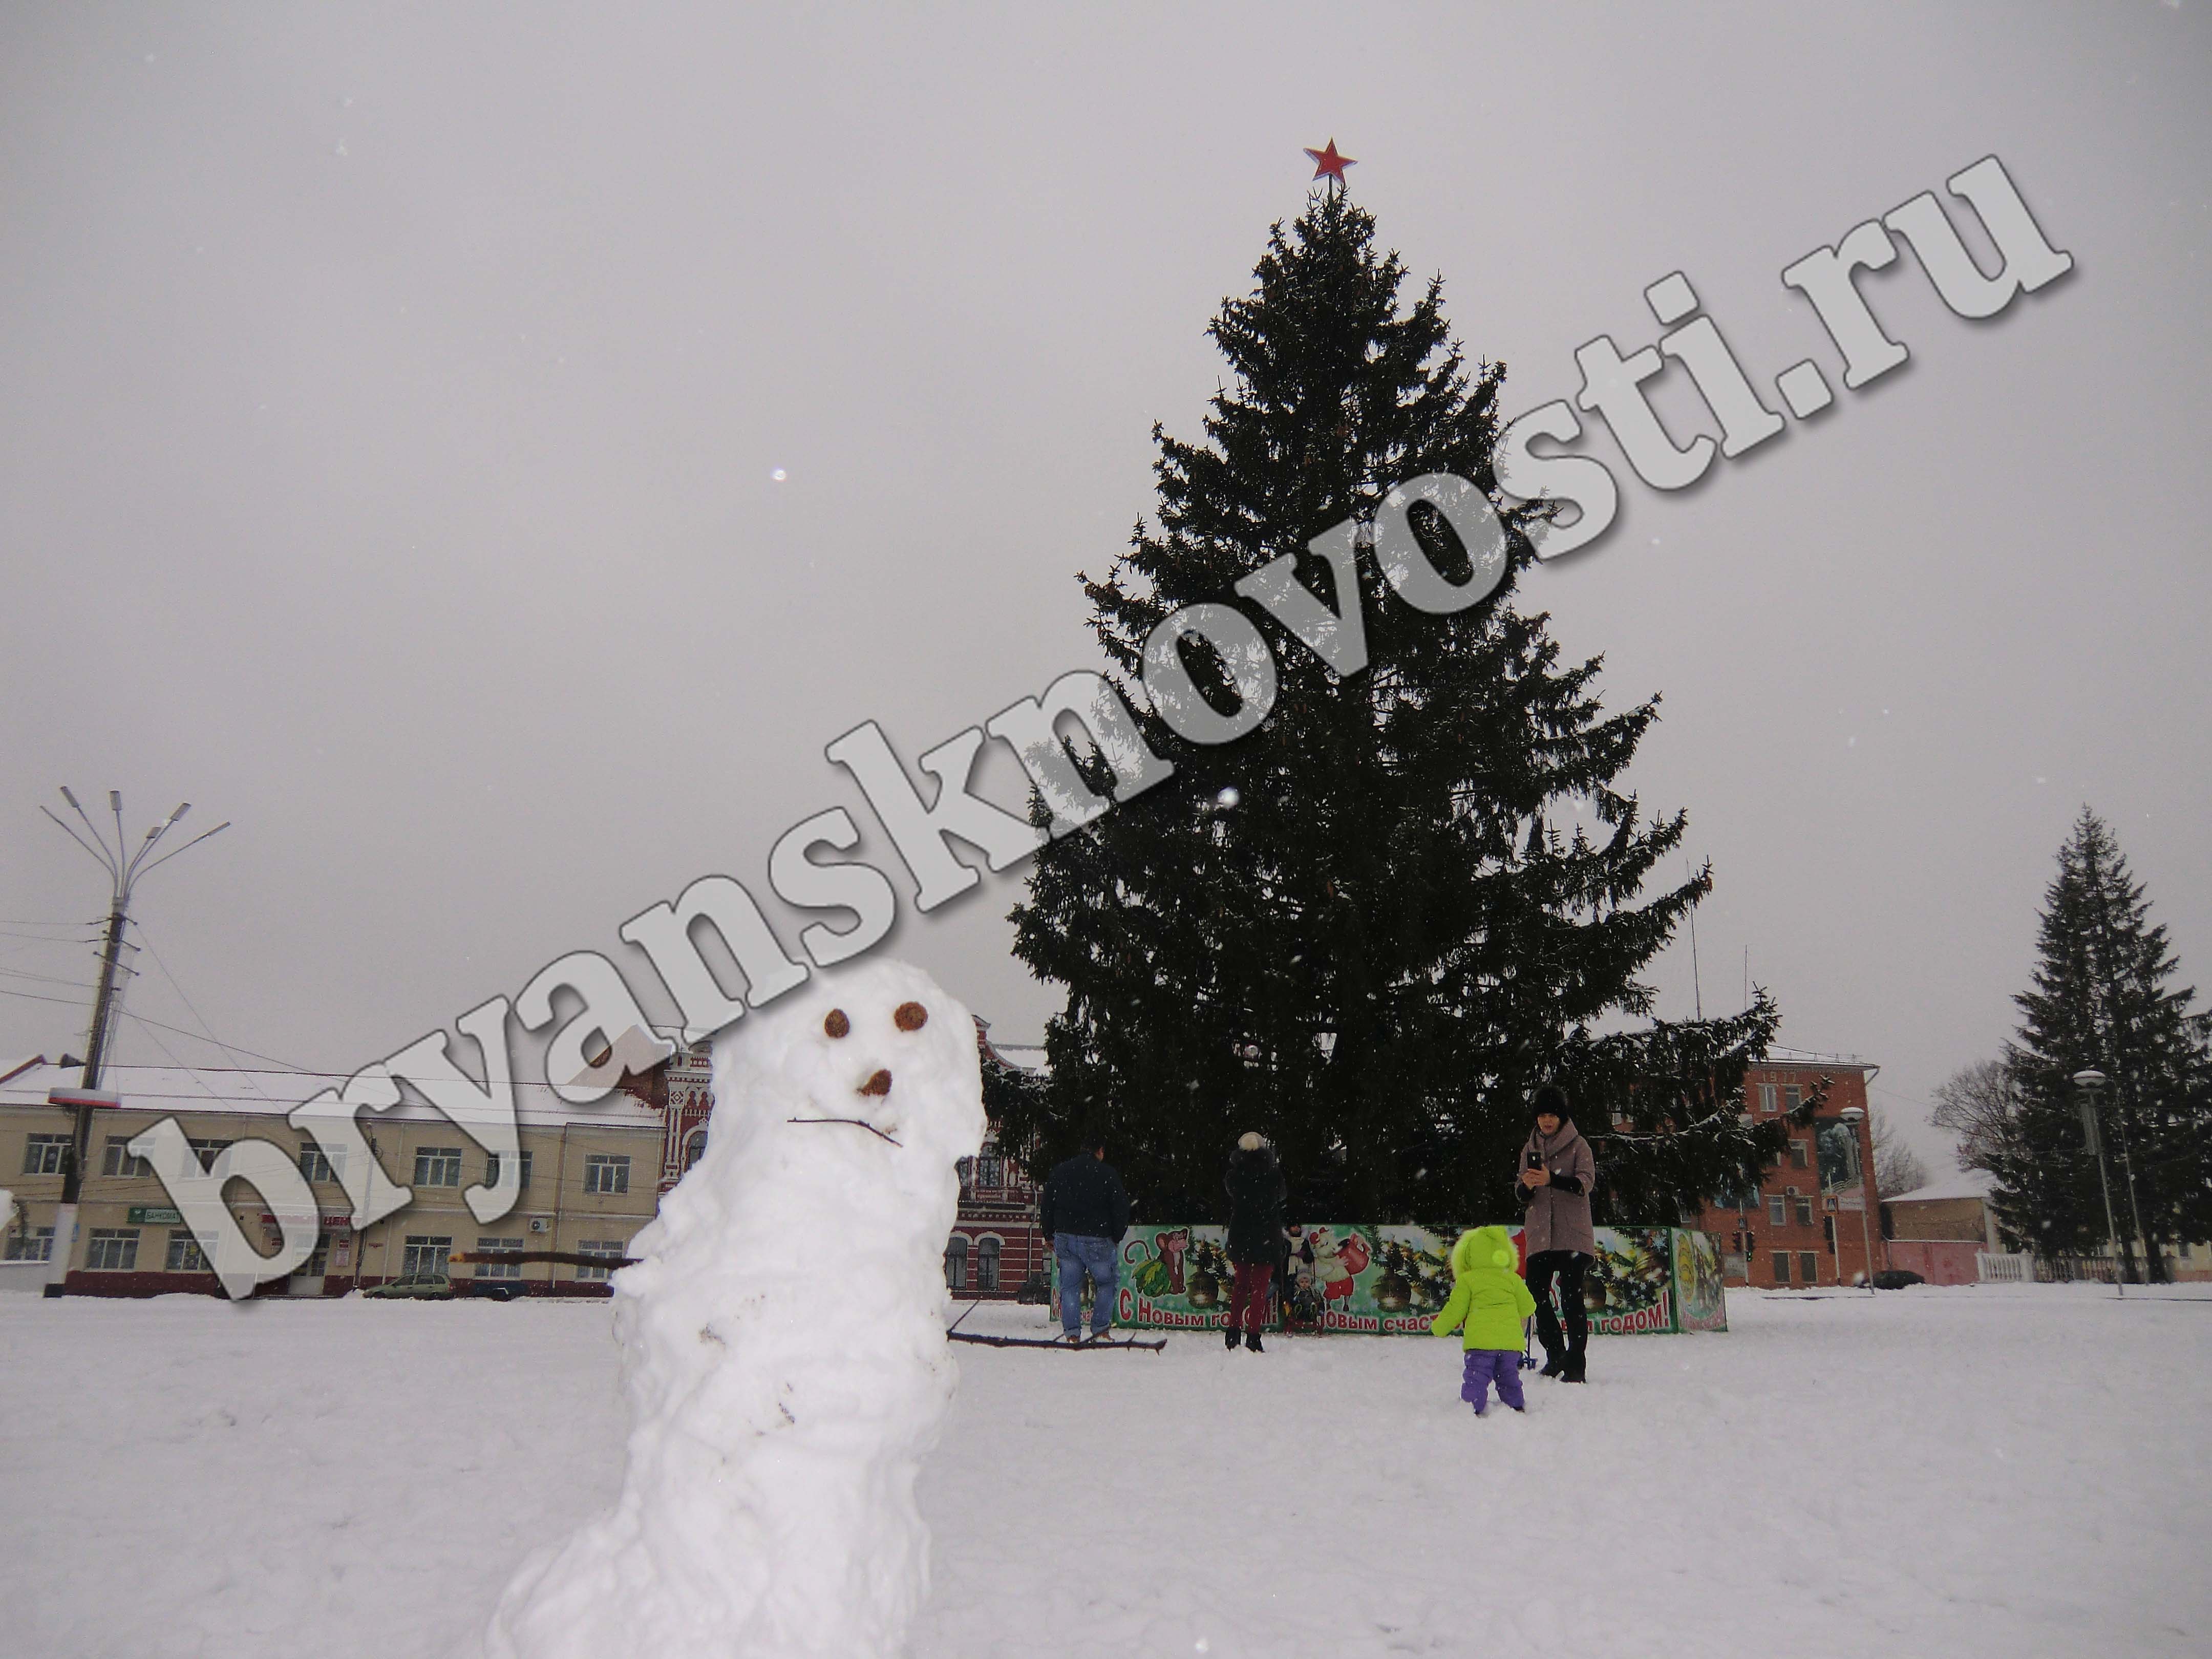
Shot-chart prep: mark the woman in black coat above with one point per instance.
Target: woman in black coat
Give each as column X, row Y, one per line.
column 1256, row 1199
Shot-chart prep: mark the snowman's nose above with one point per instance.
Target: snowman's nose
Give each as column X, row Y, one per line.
column 881, row 1083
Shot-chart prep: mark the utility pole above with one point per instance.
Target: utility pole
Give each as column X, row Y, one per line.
column 123, row 868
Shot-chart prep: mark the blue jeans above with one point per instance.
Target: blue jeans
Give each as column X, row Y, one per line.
column 1101, row 1259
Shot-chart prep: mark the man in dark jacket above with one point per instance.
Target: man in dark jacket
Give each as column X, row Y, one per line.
column 1256, row 1197
column 1084, row 1213
column 1554, row 1181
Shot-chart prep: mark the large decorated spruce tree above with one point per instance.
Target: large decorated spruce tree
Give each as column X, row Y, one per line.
column 1371, row 926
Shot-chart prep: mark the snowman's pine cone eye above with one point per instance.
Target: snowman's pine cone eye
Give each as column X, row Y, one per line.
column 835, row 1024
column 910, row 1017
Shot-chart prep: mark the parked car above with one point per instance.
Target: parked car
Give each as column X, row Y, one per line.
column 429, row 1287
column 423, row 1287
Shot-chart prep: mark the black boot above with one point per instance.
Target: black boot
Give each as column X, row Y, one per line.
column 1252, row 1341
column 1571, row 1370
column 1552, row 1365
column 1229, row 1338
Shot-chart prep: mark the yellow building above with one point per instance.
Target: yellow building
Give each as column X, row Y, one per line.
column 590, row 1180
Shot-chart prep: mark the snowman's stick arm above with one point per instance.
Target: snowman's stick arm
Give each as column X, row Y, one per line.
column 857, row 1122
column 525, row 1258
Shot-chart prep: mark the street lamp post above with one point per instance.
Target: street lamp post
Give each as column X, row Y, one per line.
column 1854, row 1116
column 2089, row 1082
column 123, row 868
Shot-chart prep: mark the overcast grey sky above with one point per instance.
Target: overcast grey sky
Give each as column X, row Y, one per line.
column 392, row 398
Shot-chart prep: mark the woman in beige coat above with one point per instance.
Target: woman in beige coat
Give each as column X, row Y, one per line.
column 1553, row 1182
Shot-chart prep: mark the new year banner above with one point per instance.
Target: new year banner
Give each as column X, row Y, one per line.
column 1392, row 1280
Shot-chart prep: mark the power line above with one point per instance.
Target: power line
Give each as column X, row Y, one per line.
column 269, row 1103
column 230, row 1048
column 187, row 1001
column 33, row 996
column 49, row 979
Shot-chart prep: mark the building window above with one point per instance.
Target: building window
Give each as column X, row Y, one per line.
column 1796, row 1154
column 966, row 1171
column 612, row 1248
column 112, row 1249
column 991, row 1171
column 498, row 1269
column 694, row 1148
column 1782, row 1266
column 986, row 1264
column 45, row 1154
column 956, row 1262
column 117, row 1160
column 1766, row 1097
column 437, row 1166
column 319, row 1166
column 1792, row 1098
column 1808, row 1267
column 1804, row 1211
column 208, row 1150
column 36, row 1245
column 426, row 1254
column 491, row 1173
column 185, row 1255
column 606, row 1172
column 1777, row 1211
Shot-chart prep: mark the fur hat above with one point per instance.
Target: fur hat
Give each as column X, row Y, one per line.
column 1550, row 1099
column 1251, row 1140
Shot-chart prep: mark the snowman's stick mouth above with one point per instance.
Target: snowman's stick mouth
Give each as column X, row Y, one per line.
column 857, row 1122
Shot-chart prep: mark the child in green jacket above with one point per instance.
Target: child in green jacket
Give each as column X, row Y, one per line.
column 1490, row 1300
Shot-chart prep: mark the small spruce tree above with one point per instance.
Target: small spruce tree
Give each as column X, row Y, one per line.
column 2102, row 999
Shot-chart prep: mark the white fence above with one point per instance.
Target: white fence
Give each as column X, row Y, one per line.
column 2004, row 1269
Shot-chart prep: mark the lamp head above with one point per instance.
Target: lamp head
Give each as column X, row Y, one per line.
column 2092, row 1080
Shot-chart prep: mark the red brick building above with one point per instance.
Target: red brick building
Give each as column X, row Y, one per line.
column 683, row 1089
column 1815, row 1216
column 996, row 1246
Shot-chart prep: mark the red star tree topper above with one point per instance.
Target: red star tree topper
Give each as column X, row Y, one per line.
column 1328, row 164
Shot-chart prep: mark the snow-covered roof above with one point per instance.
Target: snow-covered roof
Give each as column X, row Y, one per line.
column 1778, row 1054
column 274, row 1093
column 16, row 1068
column 1970, row 1183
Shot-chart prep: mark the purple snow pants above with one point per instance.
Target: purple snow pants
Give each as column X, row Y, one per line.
column 1483, row 1366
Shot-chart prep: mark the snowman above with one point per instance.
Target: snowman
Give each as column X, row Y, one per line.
column 783, row 1349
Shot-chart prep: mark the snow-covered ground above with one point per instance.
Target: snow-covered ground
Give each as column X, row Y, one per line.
column 1988, row 1470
